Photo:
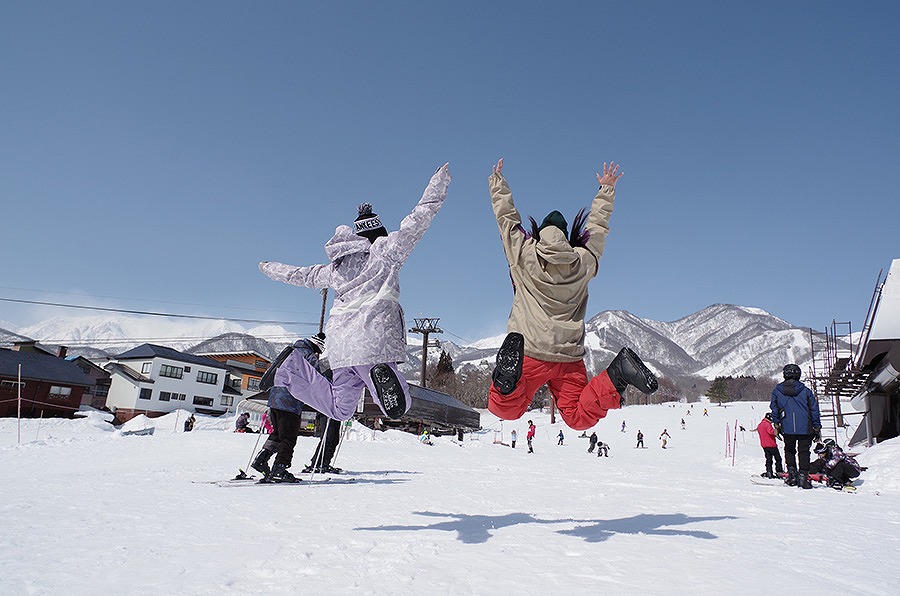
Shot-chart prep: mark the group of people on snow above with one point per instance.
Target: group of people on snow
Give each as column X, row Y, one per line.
column 550, row 265
column 794, row 417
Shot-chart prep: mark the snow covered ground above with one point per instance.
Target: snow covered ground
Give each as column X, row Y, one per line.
column 86, row 510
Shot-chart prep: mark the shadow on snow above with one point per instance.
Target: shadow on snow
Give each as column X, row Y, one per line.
column 477, row 529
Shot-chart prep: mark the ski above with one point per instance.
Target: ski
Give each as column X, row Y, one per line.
column 232, row 484
column 235, row 481
column 242, row 477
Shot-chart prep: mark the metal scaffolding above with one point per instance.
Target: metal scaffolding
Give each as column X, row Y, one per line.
column 834, row 374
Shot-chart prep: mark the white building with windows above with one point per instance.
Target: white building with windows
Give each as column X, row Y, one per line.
column 155, row 380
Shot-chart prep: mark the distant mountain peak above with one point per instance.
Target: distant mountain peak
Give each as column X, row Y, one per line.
column 719, row 340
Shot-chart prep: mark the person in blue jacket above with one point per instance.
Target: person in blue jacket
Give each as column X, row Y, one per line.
column 795, row 415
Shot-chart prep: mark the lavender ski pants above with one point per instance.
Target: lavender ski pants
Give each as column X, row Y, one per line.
column 337, row 399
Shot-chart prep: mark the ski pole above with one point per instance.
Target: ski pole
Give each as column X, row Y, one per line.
column 337, row 450
column 320, row 449
column 252, row 453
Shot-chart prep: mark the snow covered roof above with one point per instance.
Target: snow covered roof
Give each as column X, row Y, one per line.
column 41, row 367
column 154, row 351
column 127, row 371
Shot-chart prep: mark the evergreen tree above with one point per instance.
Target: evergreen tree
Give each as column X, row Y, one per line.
column 718, row 391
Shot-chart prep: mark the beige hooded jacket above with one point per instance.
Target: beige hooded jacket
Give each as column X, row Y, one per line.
column 550, row 277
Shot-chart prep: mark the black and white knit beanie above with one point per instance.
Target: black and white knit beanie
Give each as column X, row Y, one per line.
column 318, row 340
column 368, row 224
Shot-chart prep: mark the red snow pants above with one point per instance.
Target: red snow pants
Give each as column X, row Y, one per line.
column 580, row 403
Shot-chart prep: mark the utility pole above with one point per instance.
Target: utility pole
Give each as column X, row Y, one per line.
column 425, row 326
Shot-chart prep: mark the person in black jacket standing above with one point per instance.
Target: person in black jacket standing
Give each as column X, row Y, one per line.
column 795, row 415
column 284, row 414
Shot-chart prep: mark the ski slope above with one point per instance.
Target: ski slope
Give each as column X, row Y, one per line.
column 86, row 510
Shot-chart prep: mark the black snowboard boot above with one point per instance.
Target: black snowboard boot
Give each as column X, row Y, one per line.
column 627, row 369
column 792, row 477
column 389, row 389
column 280, row 474
column 261, row 463
column 508, row 369
column 803, row 480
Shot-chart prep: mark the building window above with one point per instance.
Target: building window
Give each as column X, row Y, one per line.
column 236, row 383
column 101, row 390
column 60, row 392
column 253, row 384
column 164, row 396
column 203, row 401
column 146, row 368
column 207, row 377
column 260, row 365
column 175, row 372
column 178, row 396
column 187, row 369
column 145, row 394
column 11, row 385
column 226, row 401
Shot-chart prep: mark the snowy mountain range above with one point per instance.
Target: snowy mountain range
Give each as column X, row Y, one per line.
column 720, row 340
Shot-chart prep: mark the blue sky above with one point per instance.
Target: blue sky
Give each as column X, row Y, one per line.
column 152, row 153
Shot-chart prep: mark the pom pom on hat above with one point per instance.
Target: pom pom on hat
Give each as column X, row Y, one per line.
column 318, row 340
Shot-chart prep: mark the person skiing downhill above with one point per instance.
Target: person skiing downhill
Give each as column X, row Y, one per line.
column 366, row 328
column 550, row 270
column 602, row 449
column 664, row 437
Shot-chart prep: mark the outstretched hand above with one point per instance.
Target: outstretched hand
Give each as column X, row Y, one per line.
column 498, row 169
column 610, row 174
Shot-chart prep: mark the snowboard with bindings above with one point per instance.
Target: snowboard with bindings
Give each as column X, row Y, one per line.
column 818, row 480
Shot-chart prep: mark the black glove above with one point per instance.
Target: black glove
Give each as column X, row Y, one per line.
column 817, row 434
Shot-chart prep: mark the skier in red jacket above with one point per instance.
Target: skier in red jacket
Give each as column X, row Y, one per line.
column 767, row 441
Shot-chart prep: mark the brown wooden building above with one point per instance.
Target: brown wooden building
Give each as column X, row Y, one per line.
column 51, row 386
column 249, row 367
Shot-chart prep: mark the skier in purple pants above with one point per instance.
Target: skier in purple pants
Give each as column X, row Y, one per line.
column 366, row 328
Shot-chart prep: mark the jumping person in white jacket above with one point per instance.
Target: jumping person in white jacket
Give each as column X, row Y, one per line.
column 366, row 330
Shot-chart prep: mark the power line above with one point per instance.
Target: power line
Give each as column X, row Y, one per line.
column 143, row 300
column 154, row 314
column 87, row 343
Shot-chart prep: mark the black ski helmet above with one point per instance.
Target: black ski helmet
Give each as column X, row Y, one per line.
column 792, row 371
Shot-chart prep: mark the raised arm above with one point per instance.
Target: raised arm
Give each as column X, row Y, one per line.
column 508, row 219
column 314, row 276
column 597, row 224
column 401, row 242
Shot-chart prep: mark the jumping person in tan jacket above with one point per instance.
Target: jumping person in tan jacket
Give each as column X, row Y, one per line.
column 550, row 270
